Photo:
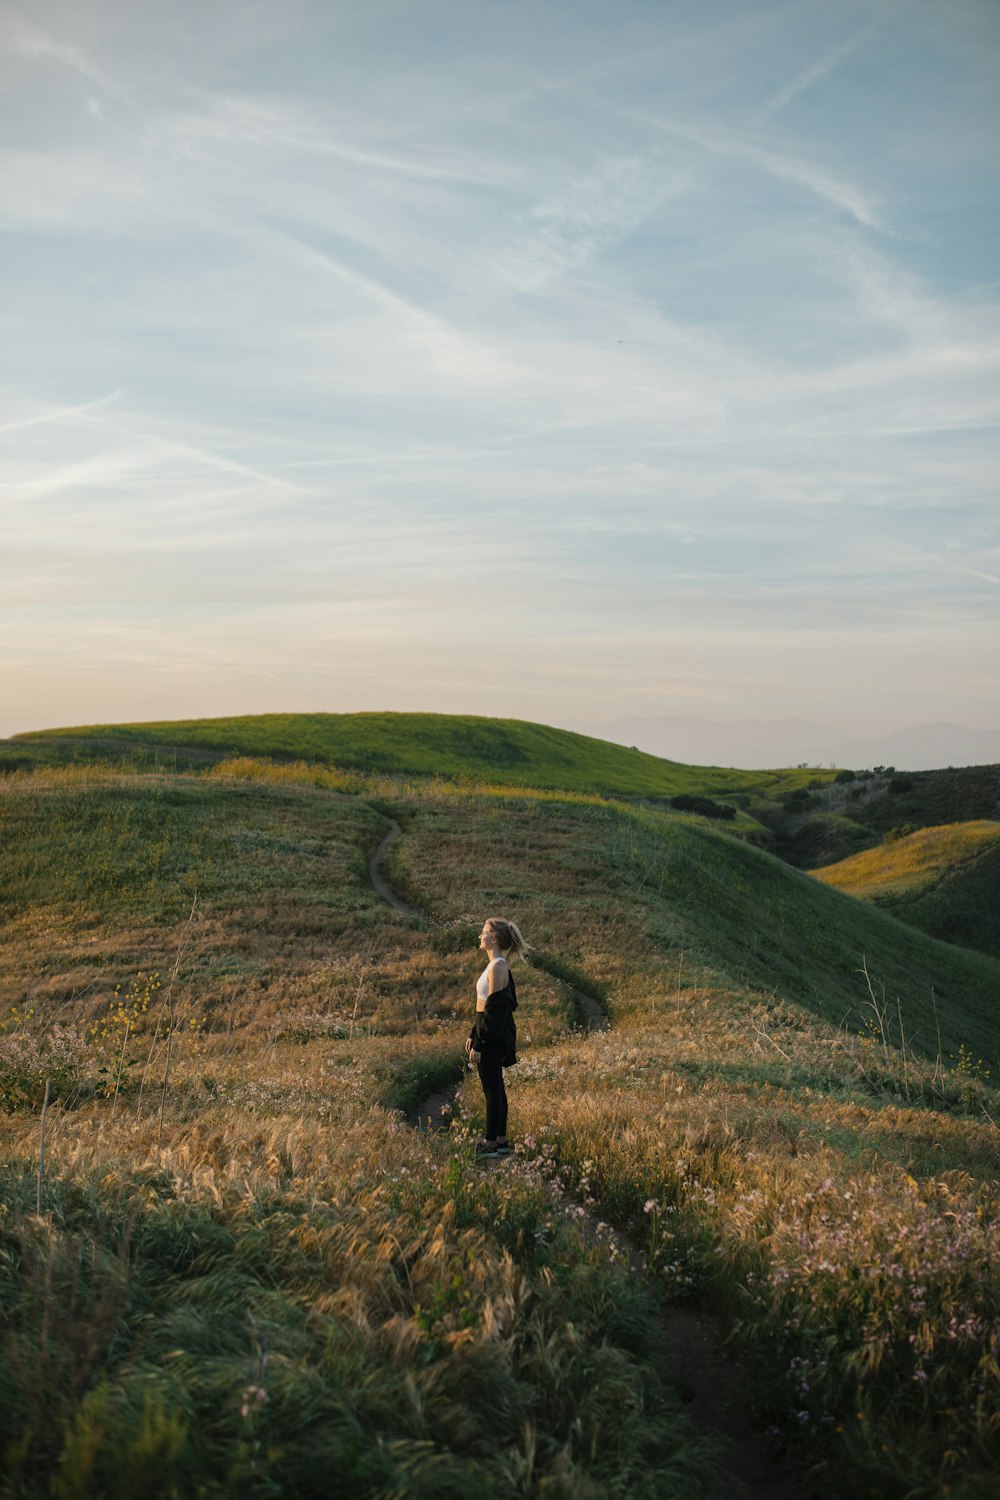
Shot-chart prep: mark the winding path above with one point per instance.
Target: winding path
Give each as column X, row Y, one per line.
column 378, row 879
column 711, row 1386
column 588, row 1007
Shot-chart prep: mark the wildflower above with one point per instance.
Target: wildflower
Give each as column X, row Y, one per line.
column 650, row 1206
column 253, row 1397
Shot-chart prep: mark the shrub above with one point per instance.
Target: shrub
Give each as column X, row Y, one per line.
column 704, row 806
column 798, row 801
column 27, row 1061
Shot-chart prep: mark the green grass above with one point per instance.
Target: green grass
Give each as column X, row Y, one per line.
column 845, row 818
column 944, row 881
column 670, row 891
column 145, row 846
column 264, row 1314
column 779, row 1151
column 462, row 747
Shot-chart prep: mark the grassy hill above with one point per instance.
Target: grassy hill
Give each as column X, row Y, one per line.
column 278, row 863
column 675, row 890
column 284, row 1284
column 907, row 866
column 507, row 751
column 946, row 881
column 820, row 824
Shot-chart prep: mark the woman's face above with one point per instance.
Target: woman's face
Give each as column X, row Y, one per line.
column 487, row 939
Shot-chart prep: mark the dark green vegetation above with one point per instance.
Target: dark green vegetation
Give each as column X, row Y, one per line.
column 816, row 824
column 706, row 806
column 962, row 908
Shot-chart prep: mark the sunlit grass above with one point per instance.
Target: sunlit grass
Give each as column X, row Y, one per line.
column 507, row 751
column 910, row 863
column 792, row 1180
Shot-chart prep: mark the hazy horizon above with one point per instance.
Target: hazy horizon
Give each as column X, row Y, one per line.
column 550, row 361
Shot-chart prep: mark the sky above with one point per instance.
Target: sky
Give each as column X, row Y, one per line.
column 560, row 361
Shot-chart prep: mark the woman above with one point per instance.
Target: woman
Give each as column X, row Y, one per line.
column 493, row 1039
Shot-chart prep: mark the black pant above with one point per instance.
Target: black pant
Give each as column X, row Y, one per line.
column 491, row 1078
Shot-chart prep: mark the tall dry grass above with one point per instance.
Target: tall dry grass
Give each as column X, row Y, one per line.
column 273, row 1300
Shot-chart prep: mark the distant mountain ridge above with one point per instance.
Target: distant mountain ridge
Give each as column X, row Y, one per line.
column 755, row 744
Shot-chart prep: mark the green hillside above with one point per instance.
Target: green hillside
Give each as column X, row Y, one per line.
column 909, row 865
column 668, row 885
column 956, row 794
column 945, row 881
column 258, row 853
column 508, row 751
column 285, row 1284
column 820, row 824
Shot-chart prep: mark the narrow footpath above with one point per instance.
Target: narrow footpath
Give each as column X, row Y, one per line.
column 379, row 881
column 711, row 1385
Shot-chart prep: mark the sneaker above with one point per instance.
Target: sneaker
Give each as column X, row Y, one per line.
column 486, row 1148
column 505, row 1148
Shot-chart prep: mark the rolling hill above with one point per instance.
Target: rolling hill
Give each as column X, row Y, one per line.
column 507, row 751
column 791, row 1116
column 944, row 881
column 143, row 844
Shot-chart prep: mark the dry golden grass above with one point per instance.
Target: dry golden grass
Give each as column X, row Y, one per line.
column 911, row 863
column 286, row 1289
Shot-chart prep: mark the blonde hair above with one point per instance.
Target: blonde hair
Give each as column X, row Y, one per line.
column 508, row 935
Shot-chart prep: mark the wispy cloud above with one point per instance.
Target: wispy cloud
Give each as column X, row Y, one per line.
column 84, row 474
column 816, row 71
column 164, row 446
column 23, row 37
column 60, row 414
column 244, row 121
column 947, row 565
column 817, row 179
column 592, row 213
column 448, row 351
column 846, row 196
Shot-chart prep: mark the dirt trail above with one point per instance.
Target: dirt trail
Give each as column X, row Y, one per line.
column 378, row 880
column 592, row 1013
column 434, row 1112
column 712, row 1387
